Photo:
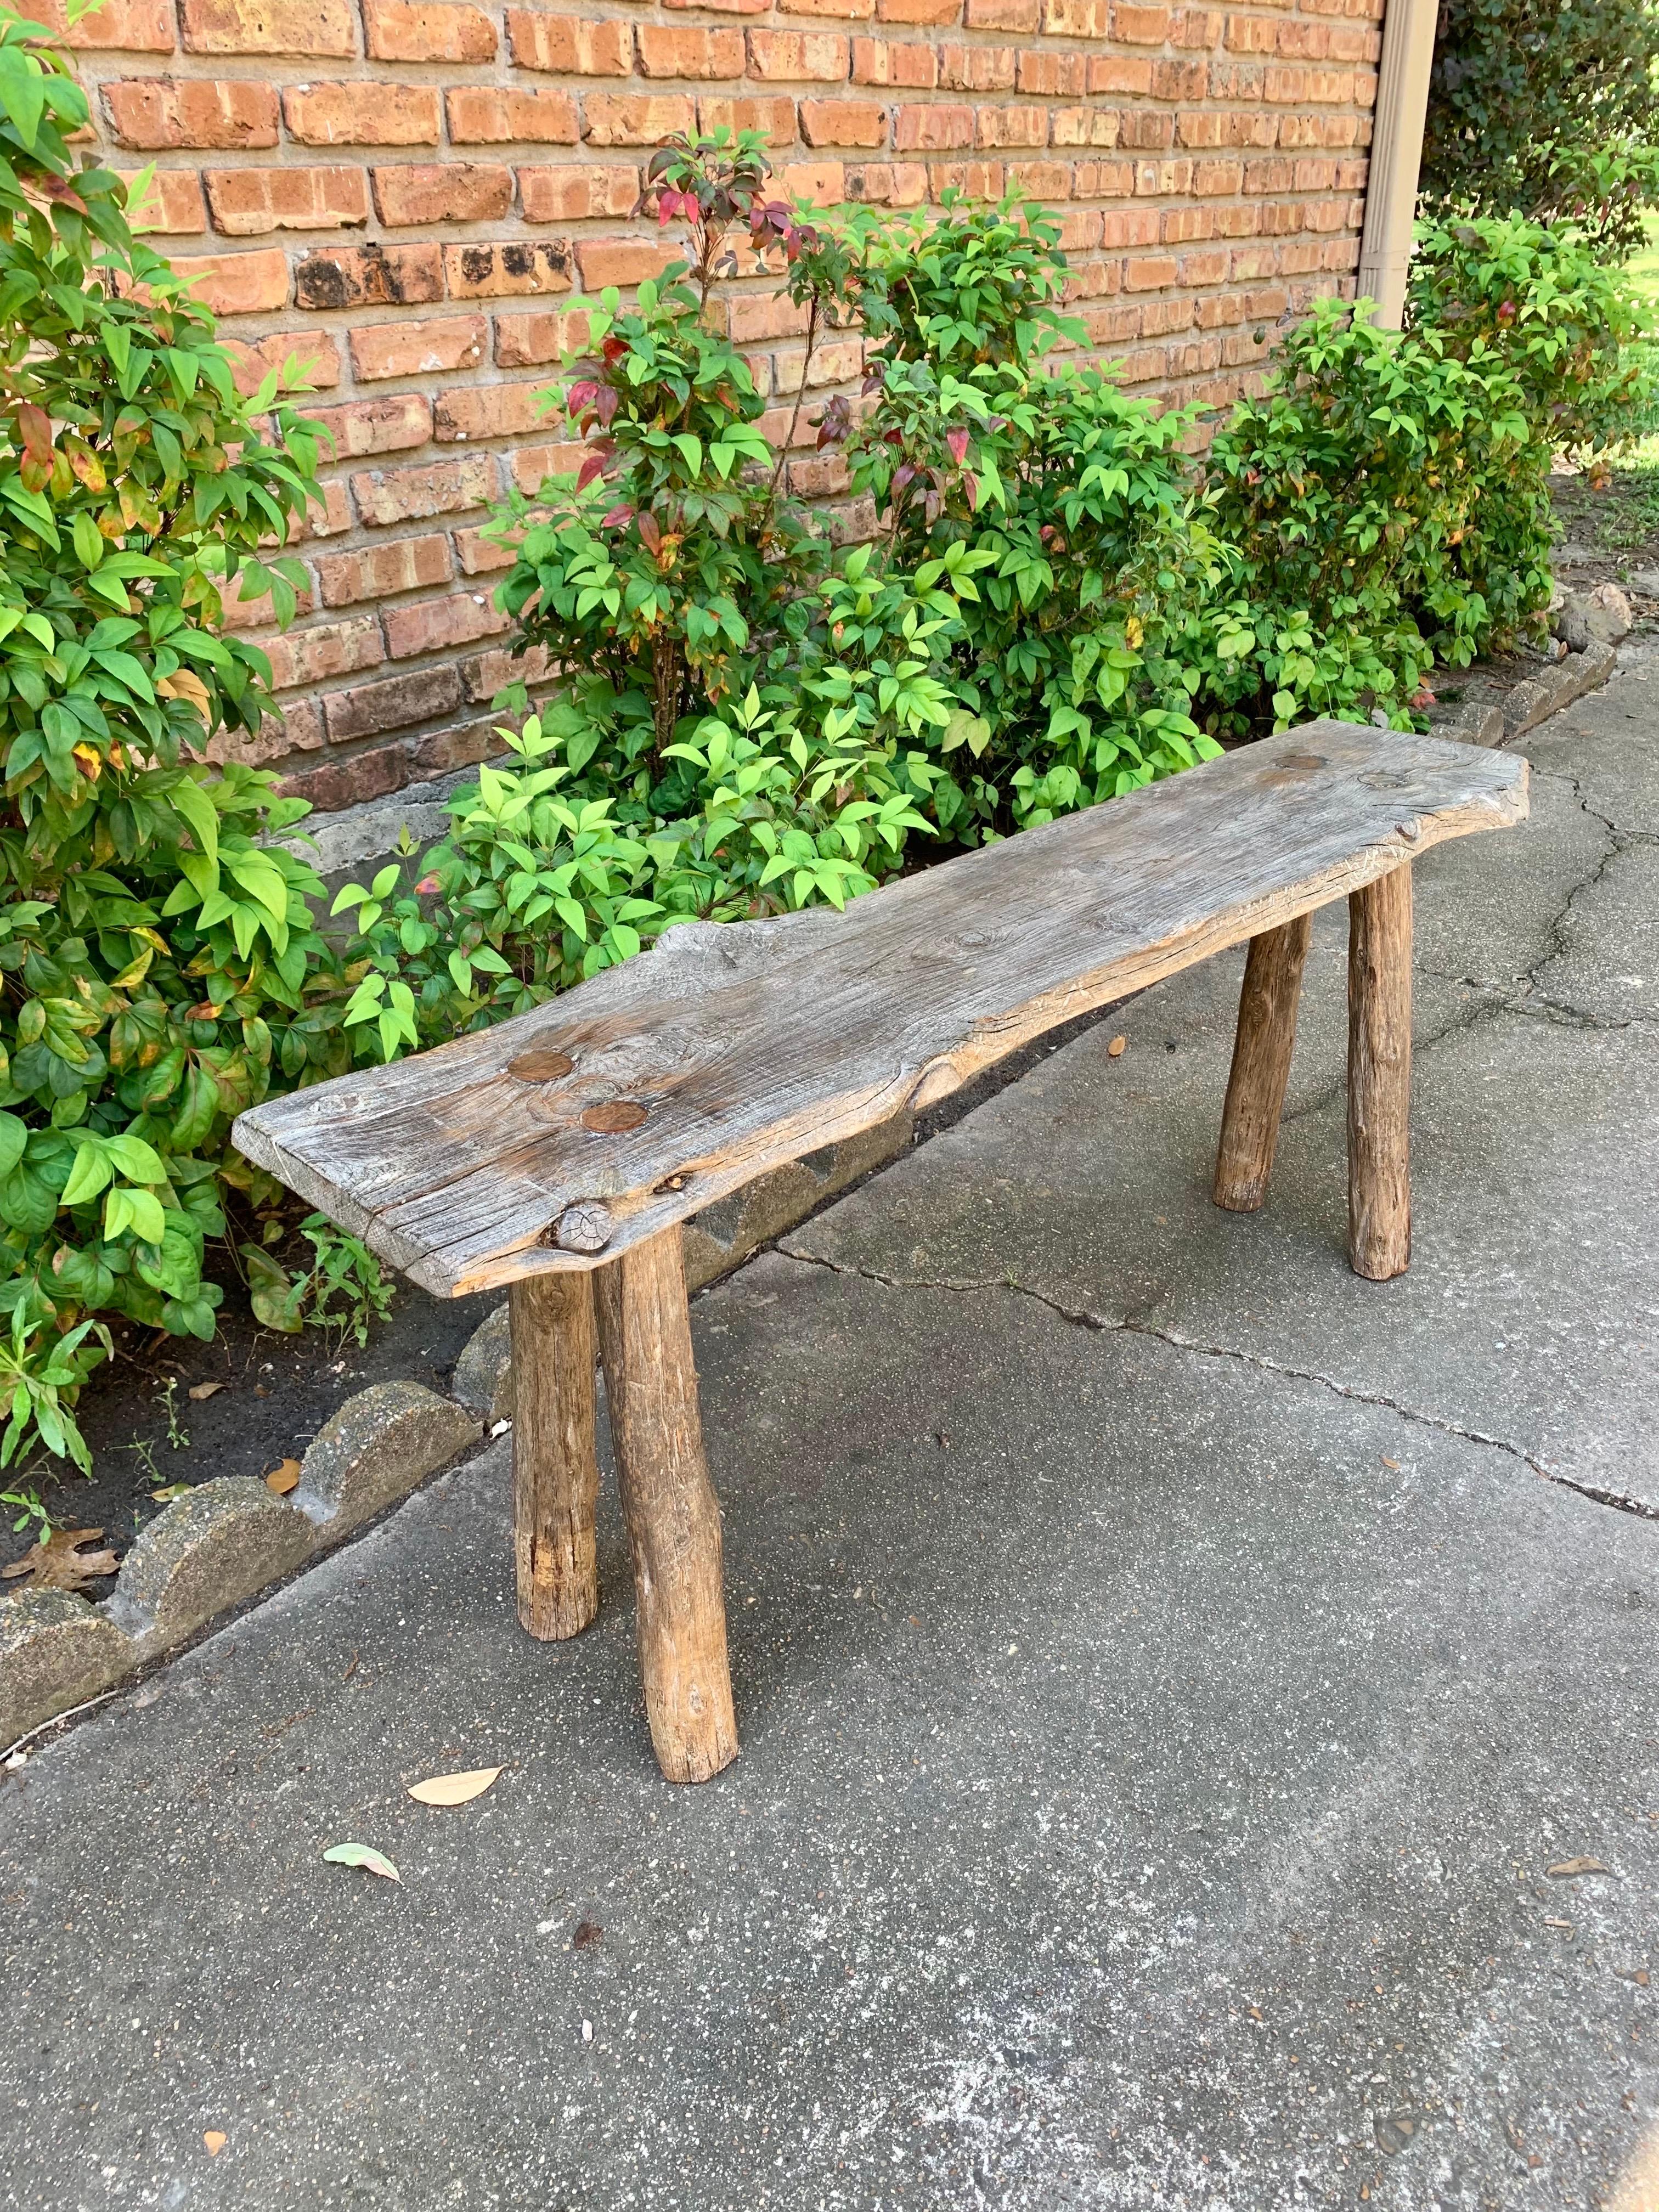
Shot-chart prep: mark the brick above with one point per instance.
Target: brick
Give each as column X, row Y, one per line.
column 1075, row 19
column 488, row 411
column 820, row 184
column 311, row 656
column 888, row 183
column 386, row 496
column 159, row 114
column 530, row 341
column 315, row 356
column 236, row 283
column 680, row 50
column 844, row 123
column 1040, row 180
column 910, row 62
column 1149, row 272
column 798, row 57
column 1018, row 125
column 938, row 13
column 1002, row 15
column 251, row 202
column 976, row 180
column 564, row 192
column 368, row 710
column 434, row 624
column 417, row 349
column 1139, row 26
column 171, row 205
column 369, row 775
column 1120, row 73
column 497, row 272
column 304, row 27
column 622, row 260
column 636, row 118
column 404, row 565
column 851, row 11
column 569, row 45
column 426, row 31
column 483, row 115
column 487, row 673
column 442, row 192
column 532, row 465
column 455, row 747
column 479, row 555
column 759, row 112
column 1178, row 80
column 931, row 129
column 333, row 516
column 130, row 27
column 377, row 114
column 1085, row 126
column 977, row 69
column 377, row 426
column 240, row 614
column 1063, row 76
column 369, row 276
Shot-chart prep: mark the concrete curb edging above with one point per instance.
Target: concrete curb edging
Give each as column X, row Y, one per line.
column 1525, row 705
column 229, row 1539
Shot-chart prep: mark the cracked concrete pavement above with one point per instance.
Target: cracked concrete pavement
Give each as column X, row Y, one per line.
column 1199, row 1710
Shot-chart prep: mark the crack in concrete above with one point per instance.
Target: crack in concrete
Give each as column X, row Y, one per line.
column 1130, row 1325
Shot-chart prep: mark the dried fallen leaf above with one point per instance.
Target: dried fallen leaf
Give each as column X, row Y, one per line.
column 60, row 1563
column 453, row 1789
column 1639, row 1975
column 588, row 1933
column 284, row 1478
column 166, row 1497
column 214, row 2141
column 361, row 1855
column 1115, row 1051
column 1565, row 1869
column 1393, row 1463
column 199, row 1390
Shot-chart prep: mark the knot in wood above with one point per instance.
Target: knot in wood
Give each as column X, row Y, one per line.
column 584, row 1227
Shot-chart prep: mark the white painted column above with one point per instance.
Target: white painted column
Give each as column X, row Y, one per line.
column 1402, row 107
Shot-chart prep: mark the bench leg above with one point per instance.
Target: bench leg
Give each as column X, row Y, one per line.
column 555, row 1470
column 1261, row 1064
column 1380, row 1076
column 673, row 1519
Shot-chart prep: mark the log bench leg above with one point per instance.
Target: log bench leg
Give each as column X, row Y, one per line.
column 1261, row 1064
column 673, row 1519
column 1380, row 1076
column 556, row 1471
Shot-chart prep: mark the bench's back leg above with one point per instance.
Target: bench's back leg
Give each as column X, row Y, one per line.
column 1380, row 1076
column 556, row 1471
column 673, row 1518
column 1261, row 1064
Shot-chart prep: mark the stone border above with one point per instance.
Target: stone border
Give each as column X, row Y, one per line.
column 229, row 1539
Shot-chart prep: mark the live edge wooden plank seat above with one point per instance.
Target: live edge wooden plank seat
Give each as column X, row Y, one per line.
column 559, row 1153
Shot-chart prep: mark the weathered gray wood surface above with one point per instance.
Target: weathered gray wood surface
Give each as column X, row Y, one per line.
column 727, row 1051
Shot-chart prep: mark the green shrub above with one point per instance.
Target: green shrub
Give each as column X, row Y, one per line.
column 1547, row 111
column 154, row 954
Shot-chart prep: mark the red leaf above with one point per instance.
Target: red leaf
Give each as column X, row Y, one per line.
column 35, row 424
column 426, row 886
column 592, row 467
column 957, row 442
column 613, row 349
column 619, row 518
column 580, row 396
column 606, row 404
column 971, row 482
column 650, row 534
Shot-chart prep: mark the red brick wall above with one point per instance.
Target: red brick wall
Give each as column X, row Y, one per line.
column 407, row 190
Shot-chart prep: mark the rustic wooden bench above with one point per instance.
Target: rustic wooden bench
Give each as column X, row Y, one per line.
column 559, row 1153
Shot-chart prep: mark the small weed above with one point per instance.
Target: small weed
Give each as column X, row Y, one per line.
column 342, row 1290
column 144, row 1452
column 177, row 1439
column 31, row 1513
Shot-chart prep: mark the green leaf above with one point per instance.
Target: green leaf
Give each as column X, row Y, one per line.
column 360, row 1855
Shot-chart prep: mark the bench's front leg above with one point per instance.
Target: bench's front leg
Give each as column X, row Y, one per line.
column 1261, row 1064
column 556, row 1469
column 673, row 1517
column 1380, row 1076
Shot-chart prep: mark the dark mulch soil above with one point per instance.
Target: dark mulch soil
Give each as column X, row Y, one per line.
column 276, row 1393
column 1610, row 534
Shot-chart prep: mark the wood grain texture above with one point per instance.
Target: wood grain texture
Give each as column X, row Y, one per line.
column 752, row 1044
column 1261, row 1064
column 669, row 1503
column 1380, row 1076
column 556, row 1469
